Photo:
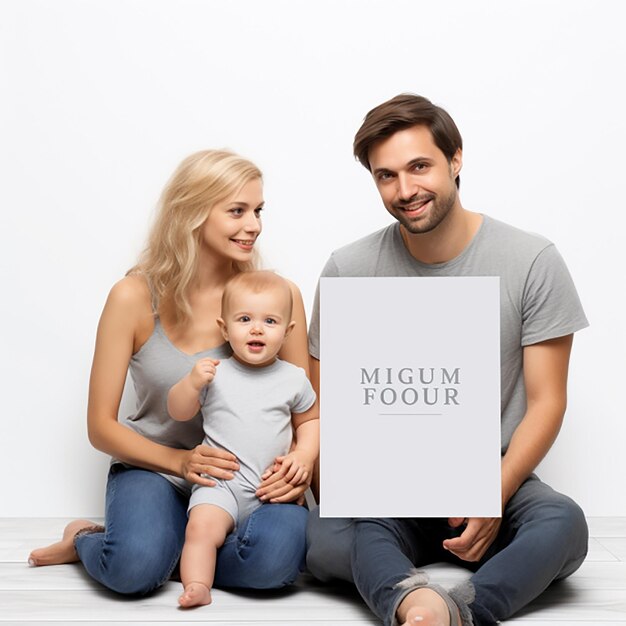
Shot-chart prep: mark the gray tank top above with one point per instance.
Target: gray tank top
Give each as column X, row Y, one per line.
column 154, row 369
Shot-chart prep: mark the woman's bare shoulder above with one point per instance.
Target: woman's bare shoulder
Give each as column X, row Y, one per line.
column 295, row 290
column 128, row 311
column 132, row 289
column 131, row 294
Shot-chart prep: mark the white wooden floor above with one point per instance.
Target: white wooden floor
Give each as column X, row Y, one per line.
column 595, row 595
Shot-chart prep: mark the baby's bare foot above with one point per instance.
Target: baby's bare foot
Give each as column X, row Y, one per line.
column 63, row 551
column 195, row 594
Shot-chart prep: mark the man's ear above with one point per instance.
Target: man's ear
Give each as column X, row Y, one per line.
column 222, row 324
column 289, row 328
column 456, row 163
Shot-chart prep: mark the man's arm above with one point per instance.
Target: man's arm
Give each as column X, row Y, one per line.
column 545, row 378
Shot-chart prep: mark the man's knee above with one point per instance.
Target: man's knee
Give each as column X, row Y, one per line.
column 571, row 526
column 537, row 502
column 558, row 523
column 571, row 516
column 564, row 518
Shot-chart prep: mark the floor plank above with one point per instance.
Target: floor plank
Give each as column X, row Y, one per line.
column 35, row 527
column 229, row 623
column 598, row 552
column 561, row 622
column 568, row 604
column 594, row 595
column 227, row 607
column 607, row 526
column 615, row 546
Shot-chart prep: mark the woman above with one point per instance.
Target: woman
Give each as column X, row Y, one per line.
column 158, row 321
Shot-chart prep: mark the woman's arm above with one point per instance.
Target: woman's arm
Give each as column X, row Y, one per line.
column 125, row 323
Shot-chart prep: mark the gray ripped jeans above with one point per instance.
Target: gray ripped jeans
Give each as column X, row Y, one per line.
column 543, row 538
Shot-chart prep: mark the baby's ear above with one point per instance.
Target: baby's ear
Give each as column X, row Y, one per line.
column 289, row 328
column 222, row 324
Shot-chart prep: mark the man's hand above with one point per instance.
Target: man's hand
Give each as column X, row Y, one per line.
column 474, row 541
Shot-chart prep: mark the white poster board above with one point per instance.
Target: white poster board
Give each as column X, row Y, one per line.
column 410, row 397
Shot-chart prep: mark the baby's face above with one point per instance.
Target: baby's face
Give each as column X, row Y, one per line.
column 256, row 324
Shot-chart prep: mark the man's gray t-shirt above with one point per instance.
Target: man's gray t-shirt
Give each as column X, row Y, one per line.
column 538, row 300
column 247, row 411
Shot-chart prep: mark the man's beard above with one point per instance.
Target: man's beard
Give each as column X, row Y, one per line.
column 438, row 211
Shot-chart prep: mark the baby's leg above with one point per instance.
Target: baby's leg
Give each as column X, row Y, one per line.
column 207, row 529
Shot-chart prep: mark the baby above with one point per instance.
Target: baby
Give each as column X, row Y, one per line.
column 249, row 404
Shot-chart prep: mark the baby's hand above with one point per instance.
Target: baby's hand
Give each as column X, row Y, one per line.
column 295, row 467
column 203, row 373
column 287, row 479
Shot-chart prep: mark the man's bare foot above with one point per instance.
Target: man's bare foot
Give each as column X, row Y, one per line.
column 195, row 594
column 63, row 551
column 424, row 607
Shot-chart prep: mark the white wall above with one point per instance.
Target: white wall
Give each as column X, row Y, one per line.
column 100, row 101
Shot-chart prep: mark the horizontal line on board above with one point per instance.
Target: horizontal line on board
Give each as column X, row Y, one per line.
column 410, row 414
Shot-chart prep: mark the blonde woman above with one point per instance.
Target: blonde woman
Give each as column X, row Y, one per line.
column 157, row 322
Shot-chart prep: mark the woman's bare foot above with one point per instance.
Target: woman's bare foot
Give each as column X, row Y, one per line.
column 63, row 551
column 424, row 607
column 195, row 594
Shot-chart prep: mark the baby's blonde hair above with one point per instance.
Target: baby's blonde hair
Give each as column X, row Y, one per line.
column 256, row 282
column 170, row 259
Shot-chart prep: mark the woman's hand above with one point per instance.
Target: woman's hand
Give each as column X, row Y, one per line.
column 203, row 461
column 276, row 487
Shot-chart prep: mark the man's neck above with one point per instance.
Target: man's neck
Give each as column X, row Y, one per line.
column 445, row 242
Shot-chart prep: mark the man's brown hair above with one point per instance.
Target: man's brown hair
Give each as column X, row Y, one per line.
column 404, row 111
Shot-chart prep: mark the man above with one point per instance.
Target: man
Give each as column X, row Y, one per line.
column 413, row 150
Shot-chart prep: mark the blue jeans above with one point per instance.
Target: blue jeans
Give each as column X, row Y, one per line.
column 145, row 519
column 543, row 538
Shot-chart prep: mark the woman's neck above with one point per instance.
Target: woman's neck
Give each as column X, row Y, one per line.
column 212, row 272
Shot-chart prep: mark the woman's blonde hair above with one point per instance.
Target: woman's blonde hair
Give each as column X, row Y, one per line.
column 169, row 261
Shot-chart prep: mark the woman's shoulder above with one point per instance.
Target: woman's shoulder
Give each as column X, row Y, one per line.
column 128, row 310
column 295, row 290
column 296, row 295
column 131, row 294
column 132, row 289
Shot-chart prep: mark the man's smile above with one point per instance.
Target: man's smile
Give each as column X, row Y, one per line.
column 415, row 206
